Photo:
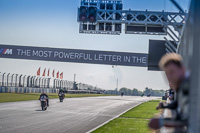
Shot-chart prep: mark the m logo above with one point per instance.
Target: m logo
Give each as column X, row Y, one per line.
column 5, row 51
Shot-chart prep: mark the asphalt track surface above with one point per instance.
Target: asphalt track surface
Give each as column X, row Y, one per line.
column 74, row 115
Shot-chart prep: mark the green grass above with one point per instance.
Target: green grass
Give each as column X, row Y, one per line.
column 13, row 97
column 123, row 125
column 133, row 121
column 146, row 110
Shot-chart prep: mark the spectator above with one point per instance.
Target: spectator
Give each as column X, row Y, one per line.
column 171, row 92
column 175, row 72
column 171, row 96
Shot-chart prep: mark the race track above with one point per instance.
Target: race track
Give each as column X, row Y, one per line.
column 74, row 115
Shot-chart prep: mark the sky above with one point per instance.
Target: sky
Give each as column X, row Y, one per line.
column 53, row 23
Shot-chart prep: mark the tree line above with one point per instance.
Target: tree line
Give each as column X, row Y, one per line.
column 136, row 92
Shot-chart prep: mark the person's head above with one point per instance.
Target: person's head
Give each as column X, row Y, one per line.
column 173, row 67
column 43, row 92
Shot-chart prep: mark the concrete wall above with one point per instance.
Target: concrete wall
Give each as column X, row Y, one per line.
column 190, row 50
column 26, row 90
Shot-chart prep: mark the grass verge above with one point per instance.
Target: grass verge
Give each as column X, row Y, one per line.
column 133, row 121
column 145, row 111
column 13, row 97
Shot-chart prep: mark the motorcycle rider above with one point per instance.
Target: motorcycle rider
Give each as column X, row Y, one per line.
column 62, row 93
column 47, row 97
column 122, row 93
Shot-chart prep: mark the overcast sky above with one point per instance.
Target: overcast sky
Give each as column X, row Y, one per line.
column 53, row 23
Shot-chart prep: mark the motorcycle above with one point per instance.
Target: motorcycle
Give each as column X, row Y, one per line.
column 43, row 101
column 61, row 97
column 148, row 95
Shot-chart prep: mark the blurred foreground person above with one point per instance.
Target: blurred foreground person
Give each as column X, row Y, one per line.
column 173, row 67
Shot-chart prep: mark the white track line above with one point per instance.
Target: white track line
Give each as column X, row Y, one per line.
column 114, row 117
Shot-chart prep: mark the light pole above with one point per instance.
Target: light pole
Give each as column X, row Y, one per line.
column 40, row 81
column 16, row 81
column 24, row 80
column 31, row 81
column 34, row 81
column 54, row 83
column 12, row 80
column 3, row 79
column 20, row 80
column 65, row 84
column 43, row 82
column 28, row 81
column 60, row 83
column 48, row 86
column 7, row 79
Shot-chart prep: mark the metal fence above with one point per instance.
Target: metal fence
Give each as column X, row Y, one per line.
column 19, row 80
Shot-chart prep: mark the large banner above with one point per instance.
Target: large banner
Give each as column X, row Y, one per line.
column 73, row 55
